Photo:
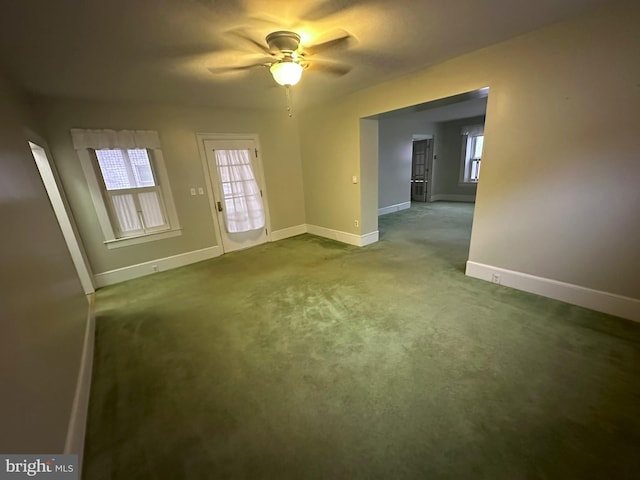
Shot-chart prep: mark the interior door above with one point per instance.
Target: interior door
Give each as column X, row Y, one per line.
column 420, row 163
column 237, row 188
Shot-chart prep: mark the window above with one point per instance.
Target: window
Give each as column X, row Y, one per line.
column 472, row 144
column 132, row 193
column 128, row 185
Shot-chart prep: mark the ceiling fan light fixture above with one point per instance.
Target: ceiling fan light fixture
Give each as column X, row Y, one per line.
column 286, row 73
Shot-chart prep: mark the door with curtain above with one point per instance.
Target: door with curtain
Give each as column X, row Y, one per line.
column 237, row 187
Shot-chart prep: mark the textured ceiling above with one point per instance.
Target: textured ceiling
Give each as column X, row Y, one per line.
column 160, row 50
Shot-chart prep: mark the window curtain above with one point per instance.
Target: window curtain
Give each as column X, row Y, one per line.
column 243, row 208
column 100, row 139
column 126, row 212
column 472, row 130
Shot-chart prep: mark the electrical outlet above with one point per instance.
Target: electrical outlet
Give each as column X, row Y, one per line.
column 193, row 191
column 495, row 278
column 200, row 191
column 356, row 223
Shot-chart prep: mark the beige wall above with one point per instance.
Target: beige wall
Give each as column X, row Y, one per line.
column 330, row 157
column 43, row 310
column 559, row 195
column 177, row 127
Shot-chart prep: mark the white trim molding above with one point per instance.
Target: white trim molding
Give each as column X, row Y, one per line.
column 61, row 209
column 147, row 268
column 369, row 238
column 445, row 197
column 288, row 232
column 76, row 432
column 598, row 300
column 130, row 272
column 128, row 241
column 344, row 237
column 394, row 208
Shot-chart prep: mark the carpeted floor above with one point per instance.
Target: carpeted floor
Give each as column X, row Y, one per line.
column 310, row 359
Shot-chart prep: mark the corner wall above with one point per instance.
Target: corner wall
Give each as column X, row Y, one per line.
column 43, row 310
column 177, row 127
column 559, row 195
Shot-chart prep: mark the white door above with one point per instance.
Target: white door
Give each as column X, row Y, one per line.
column 237, row 187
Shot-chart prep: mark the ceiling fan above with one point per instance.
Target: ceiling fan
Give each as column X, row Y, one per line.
column 286, row 58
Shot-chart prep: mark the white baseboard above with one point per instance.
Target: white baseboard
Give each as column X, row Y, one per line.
column 369, row 238
column 147, row 268
column 445, row 197
column 344, row 237
column 600, row 301
column 74, row 443
column 288, row 232
column 394, row 208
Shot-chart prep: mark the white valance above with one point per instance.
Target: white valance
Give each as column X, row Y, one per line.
column 473, row 130
column 99, row 139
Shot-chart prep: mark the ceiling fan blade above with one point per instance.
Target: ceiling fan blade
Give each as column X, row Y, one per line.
column 214, row 5
column 324, row 9
column 261, row 46
column 331, row 67
column 277, row 22
column 217, row 70
column 273, row 21
column 341, row 42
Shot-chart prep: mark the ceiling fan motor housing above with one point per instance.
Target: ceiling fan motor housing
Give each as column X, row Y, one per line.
column 283, row 41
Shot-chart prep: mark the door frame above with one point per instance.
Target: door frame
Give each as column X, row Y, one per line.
column 204, row 137
column 52, row 185
column 429, row 163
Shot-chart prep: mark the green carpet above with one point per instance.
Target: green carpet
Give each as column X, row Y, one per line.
column 310, row 359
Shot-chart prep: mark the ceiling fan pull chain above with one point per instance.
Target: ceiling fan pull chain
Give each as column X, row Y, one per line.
column 288, row 94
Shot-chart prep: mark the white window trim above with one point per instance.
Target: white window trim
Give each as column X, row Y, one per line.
column 110, row 240
column 146, row 237
column 467, row 133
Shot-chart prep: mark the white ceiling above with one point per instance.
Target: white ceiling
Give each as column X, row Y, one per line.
column 159, row 50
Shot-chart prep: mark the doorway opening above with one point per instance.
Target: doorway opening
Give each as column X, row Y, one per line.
column 430, row 152
column 427, row 153
column 421, row 167
column 58, row 202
